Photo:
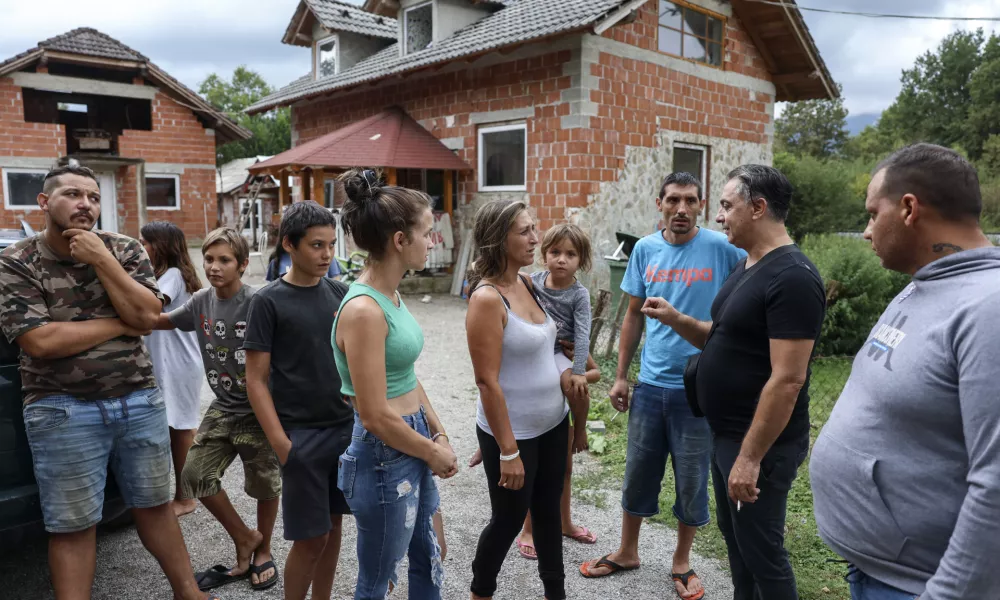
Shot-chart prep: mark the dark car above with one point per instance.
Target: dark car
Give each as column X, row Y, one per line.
column 20, row 508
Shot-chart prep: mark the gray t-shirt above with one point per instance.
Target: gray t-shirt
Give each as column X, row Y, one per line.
column 570, row 309
column 221, row 326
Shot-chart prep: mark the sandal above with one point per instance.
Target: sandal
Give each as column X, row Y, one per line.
column 684, row 578
column 520, row 548
column 217, row 576
column 603, row 562
column 258, row 570
column 583, row 535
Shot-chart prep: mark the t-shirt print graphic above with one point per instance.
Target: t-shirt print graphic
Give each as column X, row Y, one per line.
column 886, row 338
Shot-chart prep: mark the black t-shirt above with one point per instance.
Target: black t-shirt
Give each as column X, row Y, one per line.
column 294, row 324
column 786, row 300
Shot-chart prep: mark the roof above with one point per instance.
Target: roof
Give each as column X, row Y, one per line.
column 338, row 16
column 788, row 54
column 520, row 21
column 389, row 139
column 234, row 173
column 90, row 43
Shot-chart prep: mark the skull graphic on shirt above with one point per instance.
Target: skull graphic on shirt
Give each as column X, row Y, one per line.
column 222, row 354
column 206, row 325
column 240, row 328
column 220, row 329
column 213, row 378
column 210, row 351
column 241, row 356
column 227, row 382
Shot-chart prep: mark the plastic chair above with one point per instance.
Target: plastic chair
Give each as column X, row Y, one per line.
column 261, row 250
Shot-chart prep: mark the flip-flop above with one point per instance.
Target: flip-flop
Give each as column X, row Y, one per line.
column 603, row 562
column 217, row 576
column 258, row 570
column 684, row 578
column 520, row 548
column 584, row 536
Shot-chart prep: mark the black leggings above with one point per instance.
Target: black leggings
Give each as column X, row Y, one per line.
column 544, row 459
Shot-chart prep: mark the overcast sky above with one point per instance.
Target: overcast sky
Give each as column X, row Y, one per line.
column 192, row 38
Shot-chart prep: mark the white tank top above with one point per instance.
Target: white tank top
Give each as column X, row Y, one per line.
column 529, row 378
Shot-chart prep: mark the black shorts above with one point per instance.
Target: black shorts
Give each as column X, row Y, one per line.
column 309, row 481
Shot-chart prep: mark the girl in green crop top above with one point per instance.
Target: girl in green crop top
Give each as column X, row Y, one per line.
column 398, row 439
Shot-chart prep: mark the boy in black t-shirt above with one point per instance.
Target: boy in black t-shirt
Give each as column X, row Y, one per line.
column 307, row 421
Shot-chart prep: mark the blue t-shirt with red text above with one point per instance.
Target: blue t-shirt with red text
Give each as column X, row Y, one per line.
column 688, row 276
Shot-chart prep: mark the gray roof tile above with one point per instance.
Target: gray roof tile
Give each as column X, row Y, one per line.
column 91, row 42
column 519, row 21
column 340, row 16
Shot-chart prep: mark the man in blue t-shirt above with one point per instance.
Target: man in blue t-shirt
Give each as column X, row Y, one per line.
column 686, row 265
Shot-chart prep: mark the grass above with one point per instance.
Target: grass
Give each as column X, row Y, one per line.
column 818, row 579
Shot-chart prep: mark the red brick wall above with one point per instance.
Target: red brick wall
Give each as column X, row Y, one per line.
column 177, row 137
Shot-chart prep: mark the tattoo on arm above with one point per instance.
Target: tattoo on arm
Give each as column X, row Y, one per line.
column 945, row 247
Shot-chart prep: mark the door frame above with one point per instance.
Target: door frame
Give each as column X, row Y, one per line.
column 107, row 181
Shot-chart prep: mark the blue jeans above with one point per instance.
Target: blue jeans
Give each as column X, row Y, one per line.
column 660, row 424
column 73, row 442
column 393, row 498
column 864, row 587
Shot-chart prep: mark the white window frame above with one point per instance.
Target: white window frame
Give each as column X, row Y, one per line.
column 481, row 151
column 316, row 55
column 177, row 186
column 6, row 188
column 402, row 25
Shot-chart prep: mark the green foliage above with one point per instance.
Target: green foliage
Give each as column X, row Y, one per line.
column 272, row 132
column 816, row 128
column 858, row 290
column 829, row 196
column 597, row 442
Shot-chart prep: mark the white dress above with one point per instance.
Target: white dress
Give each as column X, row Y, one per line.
column 177, row 359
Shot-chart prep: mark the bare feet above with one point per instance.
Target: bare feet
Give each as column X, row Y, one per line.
column 244, row 552
column 261, row 556
column 694, row 588
column 617, row 557
column 184, row 507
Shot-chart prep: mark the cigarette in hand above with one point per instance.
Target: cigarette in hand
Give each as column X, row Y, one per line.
column 615, row 416
column 739, row 505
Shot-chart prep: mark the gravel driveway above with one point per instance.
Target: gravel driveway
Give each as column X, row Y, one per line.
column 126, row 570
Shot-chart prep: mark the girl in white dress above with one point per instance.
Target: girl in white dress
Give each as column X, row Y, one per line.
column 176, row 356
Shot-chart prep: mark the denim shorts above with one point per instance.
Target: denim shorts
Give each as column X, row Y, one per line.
column 74, row 442
column 864, row 587
column 660, row 424
column 393, row 498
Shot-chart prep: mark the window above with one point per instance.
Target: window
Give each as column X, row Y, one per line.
column 72, row 107
column 692, row 159
column 690, row 33
column 326, row 57
column 418, row 27
column 163, row 192
column 21, row 187
column 503, row 158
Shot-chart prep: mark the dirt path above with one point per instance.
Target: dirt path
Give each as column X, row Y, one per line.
column 125, row 570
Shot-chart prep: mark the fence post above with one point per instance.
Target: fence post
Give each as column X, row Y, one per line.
column 597, row 323
column 616, row 325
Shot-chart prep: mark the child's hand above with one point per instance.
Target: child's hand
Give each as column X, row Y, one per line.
column 578, row 387
column 568, row 348
column 580, row 441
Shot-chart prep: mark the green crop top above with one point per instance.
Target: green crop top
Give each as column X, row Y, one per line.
column 402, row 345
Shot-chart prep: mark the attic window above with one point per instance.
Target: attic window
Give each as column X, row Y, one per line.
column 691, row 33
column 418, row 27
column 326, row 57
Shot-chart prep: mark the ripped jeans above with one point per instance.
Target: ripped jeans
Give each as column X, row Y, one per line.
column 393, row 498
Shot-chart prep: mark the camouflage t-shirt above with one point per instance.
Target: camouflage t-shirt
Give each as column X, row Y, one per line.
column 38, row 288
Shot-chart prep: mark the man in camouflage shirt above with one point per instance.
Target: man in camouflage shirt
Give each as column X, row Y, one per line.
column 77, row 301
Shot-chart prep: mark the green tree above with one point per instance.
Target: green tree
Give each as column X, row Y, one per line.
column 983, row 122
column 816, row 128
column 272, row 132
column 933, row 105
column 829, row 196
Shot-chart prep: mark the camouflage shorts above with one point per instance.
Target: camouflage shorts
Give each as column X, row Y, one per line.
column 221, row 437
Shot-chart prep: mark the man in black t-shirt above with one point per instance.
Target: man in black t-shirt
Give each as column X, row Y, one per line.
column 753, row 377
column 306, row 419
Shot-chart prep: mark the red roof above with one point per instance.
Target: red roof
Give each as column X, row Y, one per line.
column 389, row 139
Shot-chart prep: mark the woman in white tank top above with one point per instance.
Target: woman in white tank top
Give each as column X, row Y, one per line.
column 522, row 417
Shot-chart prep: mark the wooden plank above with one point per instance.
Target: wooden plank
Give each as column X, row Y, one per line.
column 600, row 308
column 285, row 193
column 616, row 325
column 319, row 185
column 448, row 192
column 390, row 176
column 306, row 185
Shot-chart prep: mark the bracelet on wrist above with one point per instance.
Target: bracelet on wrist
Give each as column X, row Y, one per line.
column 435, row 437
column 510, row 457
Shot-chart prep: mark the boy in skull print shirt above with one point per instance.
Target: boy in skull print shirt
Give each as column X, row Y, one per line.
column 219, row 316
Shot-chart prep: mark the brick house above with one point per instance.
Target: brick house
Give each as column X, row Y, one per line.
column 86, row 96
column 579, row 107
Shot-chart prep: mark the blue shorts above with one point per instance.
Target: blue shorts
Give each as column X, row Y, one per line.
column 660, row 424
column 74, row 442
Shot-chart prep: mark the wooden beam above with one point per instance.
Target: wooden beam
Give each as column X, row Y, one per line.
column 306, row 185
column 285, row 195
column 390, row 176
column 449, row 202
column 786, row 78
column 319, row 186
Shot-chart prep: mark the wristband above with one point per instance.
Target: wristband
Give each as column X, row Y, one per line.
column 435, row 437
column 510, row 457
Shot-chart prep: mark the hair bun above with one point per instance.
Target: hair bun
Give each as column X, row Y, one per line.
column 361, row 185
